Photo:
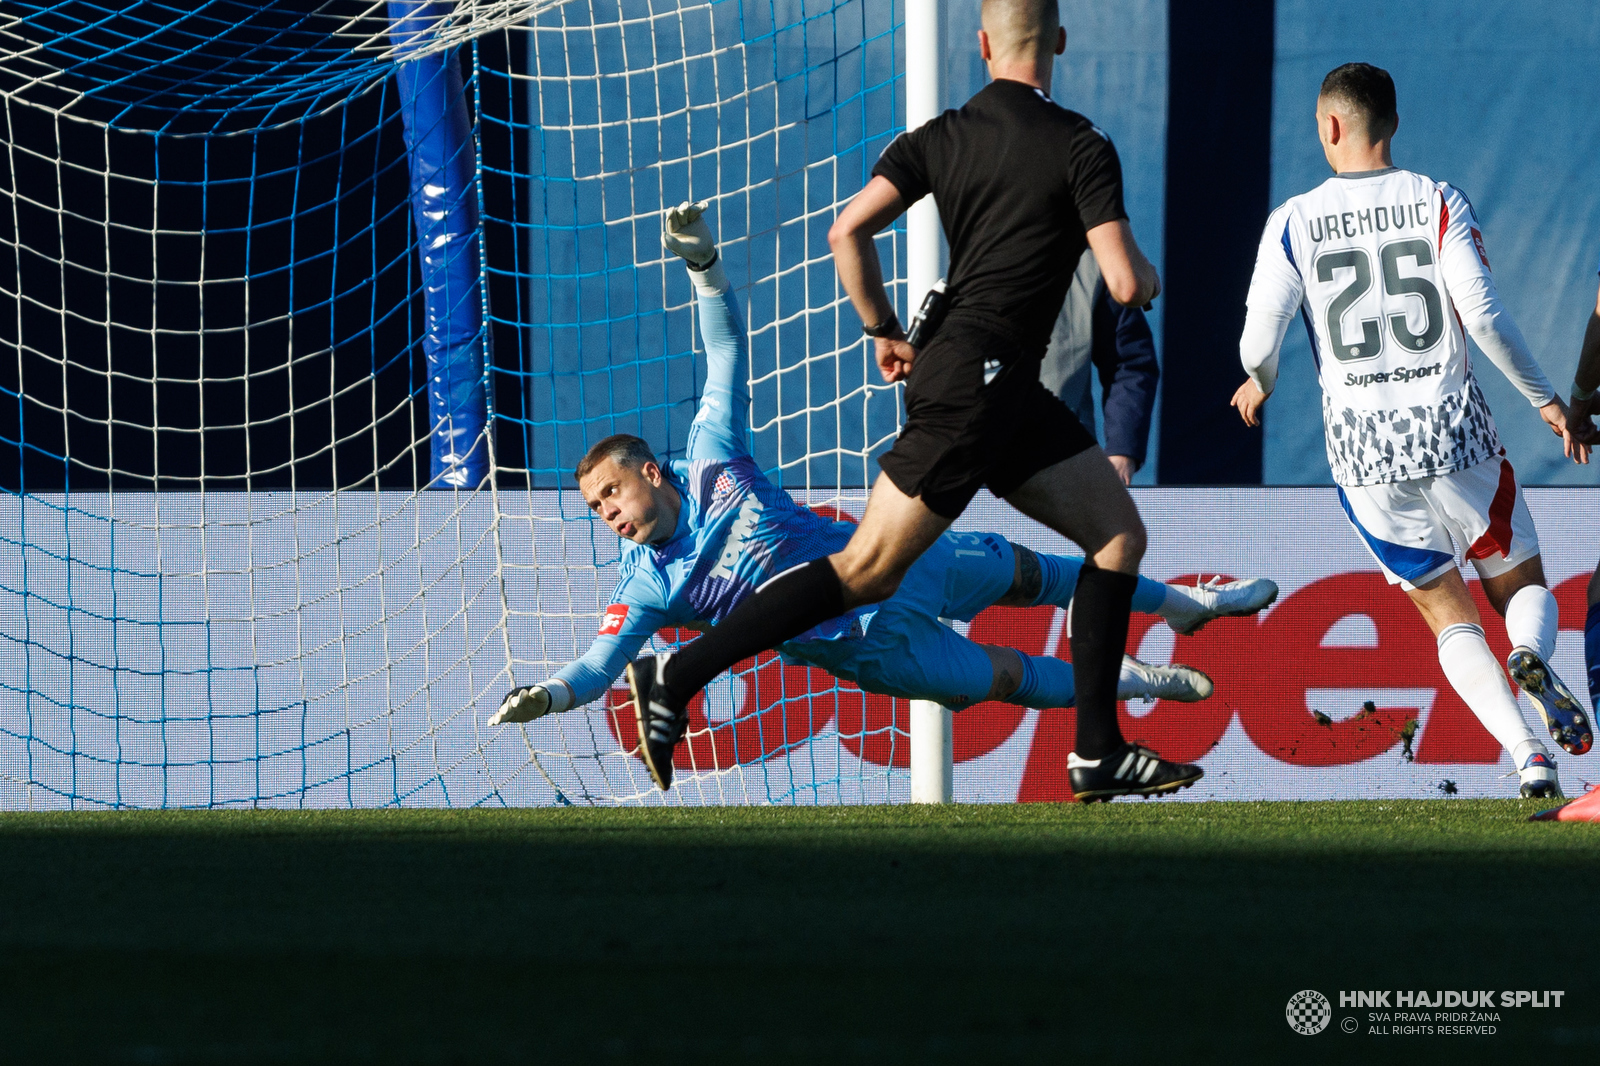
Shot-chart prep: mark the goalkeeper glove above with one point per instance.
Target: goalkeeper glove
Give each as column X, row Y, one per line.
column 522, row 705
column 684, row 232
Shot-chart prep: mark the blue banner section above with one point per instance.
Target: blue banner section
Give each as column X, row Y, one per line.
column 1500, row 100
column 444, row 203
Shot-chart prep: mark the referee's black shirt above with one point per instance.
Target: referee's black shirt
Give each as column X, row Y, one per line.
column 1019, row 180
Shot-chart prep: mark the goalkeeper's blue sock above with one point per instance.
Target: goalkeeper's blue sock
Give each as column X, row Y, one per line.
column 1591, row 653
column 1060, row 581
column 1046, row 682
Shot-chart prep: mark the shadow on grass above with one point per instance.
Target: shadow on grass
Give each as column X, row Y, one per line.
column 882, row 935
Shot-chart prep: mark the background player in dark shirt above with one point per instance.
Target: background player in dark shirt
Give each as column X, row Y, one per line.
column 1093, row 334
column 1023, row 186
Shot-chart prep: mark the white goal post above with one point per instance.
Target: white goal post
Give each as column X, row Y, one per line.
column 240, row 564
column 932, row 765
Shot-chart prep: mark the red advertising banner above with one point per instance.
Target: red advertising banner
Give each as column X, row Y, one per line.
column 1335, row 690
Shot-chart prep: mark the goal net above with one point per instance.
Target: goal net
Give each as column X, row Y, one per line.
column 310, row 308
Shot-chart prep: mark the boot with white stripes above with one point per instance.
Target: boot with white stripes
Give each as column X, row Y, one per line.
column 660, row 725
column 1128, row 771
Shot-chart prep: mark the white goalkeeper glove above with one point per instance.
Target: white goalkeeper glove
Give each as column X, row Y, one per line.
column 684, row 232
column 522, row 705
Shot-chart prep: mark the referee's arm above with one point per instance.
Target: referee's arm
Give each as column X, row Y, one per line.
column 1130, row 278
column 855, row 258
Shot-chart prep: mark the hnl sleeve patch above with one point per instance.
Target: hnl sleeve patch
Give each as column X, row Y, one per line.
column 615, row 615
column 1477, row 241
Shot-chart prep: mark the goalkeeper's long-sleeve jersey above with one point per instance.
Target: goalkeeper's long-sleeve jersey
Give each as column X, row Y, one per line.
column 735, row 529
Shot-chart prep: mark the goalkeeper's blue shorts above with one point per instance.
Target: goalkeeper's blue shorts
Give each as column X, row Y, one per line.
column 902, row 649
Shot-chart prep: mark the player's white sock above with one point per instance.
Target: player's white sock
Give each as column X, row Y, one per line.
column 1531, row 618
column 1476, row 675
column 1520, row 753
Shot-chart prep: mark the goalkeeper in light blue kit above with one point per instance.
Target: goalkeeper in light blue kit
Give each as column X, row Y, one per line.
column 707, row 530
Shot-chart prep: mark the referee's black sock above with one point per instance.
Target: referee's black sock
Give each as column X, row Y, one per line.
column 784, row 607
column 1099, row 634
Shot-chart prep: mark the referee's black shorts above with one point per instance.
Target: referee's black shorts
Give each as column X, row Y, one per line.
column 976, row 415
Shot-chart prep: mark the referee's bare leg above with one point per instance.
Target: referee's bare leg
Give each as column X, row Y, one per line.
column 894, row 532
column 1081, row 498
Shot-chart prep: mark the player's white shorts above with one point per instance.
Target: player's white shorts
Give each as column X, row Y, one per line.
column 1419, row 529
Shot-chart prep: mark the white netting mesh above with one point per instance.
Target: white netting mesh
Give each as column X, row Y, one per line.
column 226, row 579
column 774, row 113
column 224, row 64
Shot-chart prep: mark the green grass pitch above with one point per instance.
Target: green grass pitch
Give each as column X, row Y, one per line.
column 1131, row 932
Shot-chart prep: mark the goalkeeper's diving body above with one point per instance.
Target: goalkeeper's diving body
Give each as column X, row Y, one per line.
column 704, row 532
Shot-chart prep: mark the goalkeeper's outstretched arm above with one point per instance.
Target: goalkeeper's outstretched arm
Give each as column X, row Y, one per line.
column 636, row 611
column 581, row 681
column 721, row 426
column 720, row 431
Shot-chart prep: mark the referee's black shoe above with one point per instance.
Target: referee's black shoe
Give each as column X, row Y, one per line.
column 660, row 726
column 1129, row 770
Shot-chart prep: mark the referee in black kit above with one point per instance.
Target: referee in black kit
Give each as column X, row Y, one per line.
column 1022, row 186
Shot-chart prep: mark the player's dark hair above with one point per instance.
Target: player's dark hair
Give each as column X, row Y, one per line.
column 1370, row 91
column 624, row 448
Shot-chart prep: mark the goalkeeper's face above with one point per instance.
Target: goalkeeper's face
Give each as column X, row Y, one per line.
column 637, row 502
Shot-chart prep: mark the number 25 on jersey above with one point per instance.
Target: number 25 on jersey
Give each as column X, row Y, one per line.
column 1354, row 267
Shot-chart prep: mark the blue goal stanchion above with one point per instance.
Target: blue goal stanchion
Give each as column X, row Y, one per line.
column 440, row 152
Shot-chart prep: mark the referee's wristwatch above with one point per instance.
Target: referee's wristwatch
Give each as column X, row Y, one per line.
column 889, row 327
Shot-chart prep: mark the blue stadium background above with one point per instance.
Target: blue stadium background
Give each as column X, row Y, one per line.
column 1496, row 97
column 1208, row 102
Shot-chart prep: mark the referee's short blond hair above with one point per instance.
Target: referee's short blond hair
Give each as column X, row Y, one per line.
column 1021, row 29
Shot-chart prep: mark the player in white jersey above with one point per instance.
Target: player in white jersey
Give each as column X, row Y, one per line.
column 1388, row 270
